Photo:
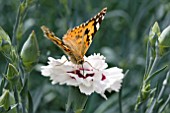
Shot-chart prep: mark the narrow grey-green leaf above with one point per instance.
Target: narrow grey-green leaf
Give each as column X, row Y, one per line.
column 2, row 85
column 30, row 103
column 155, row 73
column 38, row 94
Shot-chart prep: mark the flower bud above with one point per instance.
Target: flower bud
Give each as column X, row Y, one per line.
column 30, row 52
column 14, row 55
column 154, row 33
column 156, row 28
column 12, row 73
column 5, row 100
column 5, row 42
column 146, row 91
column 164, row 39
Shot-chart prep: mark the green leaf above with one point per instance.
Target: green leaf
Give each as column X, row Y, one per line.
column 155, row 73
column 12, row 108
column 9, row 110
column 2, row 85
column 165, row 104
column 24, row 90
column 30, row 103
column 16, row 96
column 2, row 110
column 38, row 94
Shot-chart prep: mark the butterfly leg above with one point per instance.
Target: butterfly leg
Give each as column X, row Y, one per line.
column 83, row 69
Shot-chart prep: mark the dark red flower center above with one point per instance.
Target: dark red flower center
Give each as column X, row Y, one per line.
column 77, row 72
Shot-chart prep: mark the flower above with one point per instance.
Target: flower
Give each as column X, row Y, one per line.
column 90, row 77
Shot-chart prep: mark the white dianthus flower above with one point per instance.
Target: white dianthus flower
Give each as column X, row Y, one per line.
column 90, row 77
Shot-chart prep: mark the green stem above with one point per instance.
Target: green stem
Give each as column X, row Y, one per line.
column 164, row 105
column 120, row 101
column 76, row 101
column 147, row 68
column 24, row 92
column 153, row 65
column 156, row 58
column 14, row 40
column 120, row 94
column 16, row 97
column 148, row 72
column 156, row 101
column 148, row 59
column 163, row 86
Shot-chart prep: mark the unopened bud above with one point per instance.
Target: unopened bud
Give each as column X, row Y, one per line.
column 30, row 52
column 145, row 91
column 154, row 33
column 5, row 100
column 12, row 73
column 164, row 39
column 5, row 42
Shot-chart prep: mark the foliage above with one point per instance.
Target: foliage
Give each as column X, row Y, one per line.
column 126, row 37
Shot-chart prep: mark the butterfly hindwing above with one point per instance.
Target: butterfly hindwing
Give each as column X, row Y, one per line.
column 50, row 35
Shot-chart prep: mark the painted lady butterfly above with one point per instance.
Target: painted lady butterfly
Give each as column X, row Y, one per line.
column 76, row 41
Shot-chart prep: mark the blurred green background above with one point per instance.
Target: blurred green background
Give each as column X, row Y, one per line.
column 121, row 38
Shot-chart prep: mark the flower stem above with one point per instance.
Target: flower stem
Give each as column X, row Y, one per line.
column 120, row 100
column 155, row 60
column 76, row 101
column 164, row 105
column 14, row 40
column 16, row 97
column 156, row 101
column 147, row 75
column 163, row 86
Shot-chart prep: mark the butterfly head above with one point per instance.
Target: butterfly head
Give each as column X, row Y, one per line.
column 76, row 60
column 80, row 61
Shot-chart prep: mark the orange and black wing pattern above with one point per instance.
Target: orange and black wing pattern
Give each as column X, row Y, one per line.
column 50, row 35
column 77, row 41
column 80, row 37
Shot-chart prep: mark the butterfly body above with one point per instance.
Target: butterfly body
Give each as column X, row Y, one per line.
column 76, row 41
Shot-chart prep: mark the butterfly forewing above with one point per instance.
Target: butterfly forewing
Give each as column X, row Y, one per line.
column 80, row 37
column 92, row 27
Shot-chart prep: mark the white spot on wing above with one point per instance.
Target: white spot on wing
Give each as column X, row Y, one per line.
column 102, row 17
column 97, row 26
column 94, row 16
column 97, row 19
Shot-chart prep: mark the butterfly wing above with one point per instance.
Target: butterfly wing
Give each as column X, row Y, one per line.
column 50, row 35
column 77, row 41
column 80, row 37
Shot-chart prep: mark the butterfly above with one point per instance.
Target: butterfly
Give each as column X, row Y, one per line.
column 77, row 41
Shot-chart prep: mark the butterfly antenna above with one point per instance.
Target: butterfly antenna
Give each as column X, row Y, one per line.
column 92, row 66
column 62, row 63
